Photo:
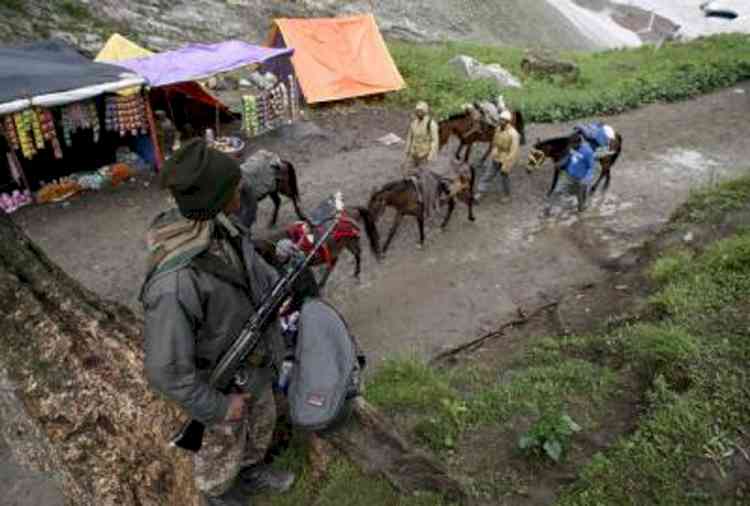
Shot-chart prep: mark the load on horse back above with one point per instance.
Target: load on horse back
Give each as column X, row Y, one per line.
column 603, row 139
column 270, row 176
column 477, row 123
column 420, row 196
column 346, row 236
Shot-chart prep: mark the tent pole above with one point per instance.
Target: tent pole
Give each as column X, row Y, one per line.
column 154, row 139
column 218, row 134
column 23, row 174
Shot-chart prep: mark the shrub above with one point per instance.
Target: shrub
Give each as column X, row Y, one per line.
column 549, row 436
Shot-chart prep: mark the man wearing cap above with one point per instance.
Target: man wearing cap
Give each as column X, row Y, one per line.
column 204, row 281
column 421, row 141
column 504, row 155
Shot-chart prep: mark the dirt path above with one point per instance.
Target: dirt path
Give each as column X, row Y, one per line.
column 467, row 279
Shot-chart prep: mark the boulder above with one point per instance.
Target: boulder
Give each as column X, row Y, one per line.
column 472, row 69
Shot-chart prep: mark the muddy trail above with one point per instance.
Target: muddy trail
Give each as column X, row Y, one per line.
column 467, row 280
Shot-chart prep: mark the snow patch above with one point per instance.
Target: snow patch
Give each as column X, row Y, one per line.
column 692, row 20
column 599, row 27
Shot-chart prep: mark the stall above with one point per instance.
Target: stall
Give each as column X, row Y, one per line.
column 185, row 103
column 64, row 128
column 270, row 103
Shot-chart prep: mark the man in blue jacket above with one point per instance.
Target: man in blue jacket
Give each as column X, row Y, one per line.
column 577, row 174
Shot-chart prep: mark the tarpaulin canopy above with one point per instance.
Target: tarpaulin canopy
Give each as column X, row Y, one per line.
column 199, row 61
column 119, row 49
column 53, row 73
column 337, row 58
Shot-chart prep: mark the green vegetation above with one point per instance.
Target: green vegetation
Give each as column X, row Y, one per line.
column 610, row 82
column 75, row 9
column 708, row 205
column 549, row 436
column 688, row 364
column 16, row 5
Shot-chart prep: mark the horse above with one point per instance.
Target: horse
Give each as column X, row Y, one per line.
column 284, row 183
column 345, row 236
column 404, row 196
column 556, row 148
column 460, row 124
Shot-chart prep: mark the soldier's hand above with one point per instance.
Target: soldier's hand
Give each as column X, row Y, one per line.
column 237, row 403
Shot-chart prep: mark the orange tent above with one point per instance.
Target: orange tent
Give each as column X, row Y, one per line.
column 337, row 58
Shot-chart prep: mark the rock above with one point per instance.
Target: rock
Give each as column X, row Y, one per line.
column 244, row 83
column 688, row 237
column 390, row 139
column 546, row 66
column 470, row 68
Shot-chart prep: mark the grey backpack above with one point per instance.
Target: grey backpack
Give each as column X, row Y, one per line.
column 326, row 374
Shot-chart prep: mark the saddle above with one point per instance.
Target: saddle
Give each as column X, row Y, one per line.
column 306, row 233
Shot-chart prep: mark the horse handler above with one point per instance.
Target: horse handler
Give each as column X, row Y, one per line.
column 422, row 141
column 506, row 148
column 578, row 170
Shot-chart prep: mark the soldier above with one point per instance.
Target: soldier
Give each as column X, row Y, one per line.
column 204, row 281
column 421, row 141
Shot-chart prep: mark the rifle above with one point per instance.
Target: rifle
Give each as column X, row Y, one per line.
column 190, row 436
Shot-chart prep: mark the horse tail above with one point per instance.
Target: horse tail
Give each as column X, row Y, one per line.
column 294, row 188
column 618, row 137
column 293, row 185
column 521, row 127
column 371, row 230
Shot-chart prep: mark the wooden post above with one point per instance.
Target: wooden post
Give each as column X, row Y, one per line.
column 154, row 138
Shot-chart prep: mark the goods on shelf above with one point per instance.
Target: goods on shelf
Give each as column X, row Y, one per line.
column 11, row 202
column 126, row 115
column 58, row 190
column 80, row 116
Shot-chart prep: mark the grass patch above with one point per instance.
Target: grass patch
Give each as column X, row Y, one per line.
column 344, row 485
column 709, row 204
column 444, row 412
column 16, row 5
column 610, row 81
column 75, row 9
column 705, row 337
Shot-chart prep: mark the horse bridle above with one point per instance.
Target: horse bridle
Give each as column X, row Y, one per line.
column 537, row 158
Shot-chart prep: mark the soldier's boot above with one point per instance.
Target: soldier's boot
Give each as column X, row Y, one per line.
column 233, row 497
column 262, row 478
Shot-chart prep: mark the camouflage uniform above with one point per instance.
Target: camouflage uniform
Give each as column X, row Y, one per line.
column 229, row 447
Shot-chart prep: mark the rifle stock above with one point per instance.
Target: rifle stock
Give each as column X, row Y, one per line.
column 190, row 436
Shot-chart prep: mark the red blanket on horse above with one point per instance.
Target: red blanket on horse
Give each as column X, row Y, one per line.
column 299, row 232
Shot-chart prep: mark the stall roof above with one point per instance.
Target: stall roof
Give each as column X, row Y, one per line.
column 200, row 61
column 337, row 58
column 52, row 73
column 119, row 48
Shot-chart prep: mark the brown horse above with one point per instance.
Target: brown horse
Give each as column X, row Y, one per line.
column 460, row 124
column 345, row 236
column 286, row 184
column 557, row 147
column 403, row 196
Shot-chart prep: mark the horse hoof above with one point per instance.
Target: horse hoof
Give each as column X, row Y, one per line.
column 471, row 218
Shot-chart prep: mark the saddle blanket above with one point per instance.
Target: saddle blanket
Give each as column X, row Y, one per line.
column 598, row 134
column 305, row 238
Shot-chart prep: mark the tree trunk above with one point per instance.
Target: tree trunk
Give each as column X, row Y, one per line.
column 79, row 405
column 74, row 400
